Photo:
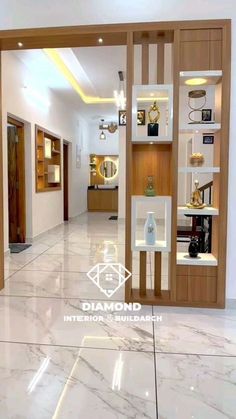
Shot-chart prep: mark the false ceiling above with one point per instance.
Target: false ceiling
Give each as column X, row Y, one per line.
column 86, row 77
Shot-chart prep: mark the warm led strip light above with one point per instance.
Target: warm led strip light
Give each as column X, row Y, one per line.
column 55, row 57
column 89, row 100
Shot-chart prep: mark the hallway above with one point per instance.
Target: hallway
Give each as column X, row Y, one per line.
column 50, row 368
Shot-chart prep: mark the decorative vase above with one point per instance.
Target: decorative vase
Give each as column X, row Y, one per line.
column 150, row 229
column 193, row 247
column 150, row 191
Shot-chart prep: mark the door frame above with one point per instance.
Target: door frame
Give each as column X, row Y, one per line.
column 65, row 180
column 20, row 126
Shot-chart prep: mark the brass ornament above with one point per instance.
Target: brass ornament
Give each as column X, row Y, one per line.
column 196, row 198
column 154, row 109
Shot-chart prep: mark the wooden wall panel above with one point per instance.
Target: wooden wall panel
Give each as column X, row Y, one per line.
column 1, row 192
column 201, row 49
column 152, row 160
column 129, row 159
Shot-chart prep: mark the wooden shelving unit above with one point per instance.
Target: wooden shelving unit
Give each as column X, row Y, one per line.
column 199, row 52
column 44, row 164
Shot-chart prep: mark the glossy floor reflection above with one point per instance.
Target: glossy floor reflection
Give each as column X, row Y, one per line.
column 181, row 368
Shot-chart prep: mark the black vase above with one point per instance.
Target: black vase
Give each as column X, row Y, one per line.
column 153, row 130
column 193, row 247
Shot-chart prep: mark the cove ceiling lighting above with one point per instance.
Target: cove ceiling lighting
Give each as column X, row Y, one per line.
column 198, row 81
column 58, row 61
column 65, row 71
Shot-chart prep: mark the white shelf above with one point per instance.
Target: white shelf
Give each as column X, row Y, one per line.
column 161, row 206
column 204, row 211
column 202, row 169
column 152, row 140
column 206, row 259
column 197, row 128
column 143, row 97
column 159, row 246
column 212, row 77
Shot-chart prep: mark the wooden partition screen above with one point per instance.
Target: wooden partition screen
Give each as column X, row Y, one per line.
column 199, row 49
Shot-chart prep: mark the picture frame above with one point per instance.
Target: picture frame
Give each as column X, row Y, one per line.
column 141, row 117
column 208, row 139
column 206, row 115
column 122, row 118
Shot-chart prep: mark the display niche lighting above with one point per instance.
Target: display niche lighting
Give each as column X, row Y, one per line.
column 198, row 81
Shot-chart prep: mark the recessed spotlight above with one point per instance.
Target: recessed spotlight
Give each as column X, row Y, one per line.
column 100, row 40
column 20, row 45
column 196, row 81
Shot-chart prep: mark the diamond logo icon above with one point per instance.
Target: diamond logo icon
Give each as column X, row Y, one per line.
column 109, row 277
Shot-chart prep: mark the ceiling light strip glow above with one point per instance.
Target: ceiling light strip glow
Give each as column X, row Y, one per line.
column 64, row 70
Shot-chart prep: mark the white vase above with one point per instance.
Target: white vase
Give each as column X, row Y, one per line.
column 150, row 229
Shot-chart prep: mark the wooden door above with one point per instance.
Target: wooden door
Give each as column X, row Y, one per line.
column 66, row 181
column 12, row 185
column 16, row 183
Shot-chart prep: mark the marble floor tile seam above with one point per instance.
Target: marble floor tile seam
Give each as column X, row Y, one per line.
column 58, row 298
column 32, row 260
column 57, row 345
column 189, row 354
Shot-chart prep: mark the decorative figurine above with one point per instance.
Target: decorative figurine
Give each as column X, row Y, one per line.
column 196, row 198
column 150, row 229
column 196, row 94
column 150, row 191
column 193, row 247
column 196, row 159
column 153, row 116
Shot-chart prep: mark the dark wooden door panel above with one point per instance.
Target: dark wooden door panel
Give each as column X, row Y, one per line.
column 16, row 182
column 12, row 184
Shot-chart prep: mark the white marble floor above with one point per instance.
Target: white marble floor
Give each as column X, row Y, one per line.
column 181, row 368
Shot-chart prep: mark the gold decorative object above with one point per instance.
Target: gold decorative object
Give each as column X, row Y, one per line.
column 153, row 116
column 193, row 95
column 112, row 128
column 154, row 109
column 150, row 191
column 196, row 159
column 196, row 198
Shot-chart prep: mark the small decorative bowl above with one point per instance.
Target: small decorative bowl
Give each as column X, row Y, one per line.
column 196, row 159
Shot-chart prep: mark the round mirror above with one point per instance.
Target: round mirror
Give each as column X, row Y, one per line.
column 108, row 169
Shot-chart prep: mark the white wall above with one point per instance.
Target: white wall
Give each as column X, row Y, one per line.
column 110, row 146
column 44, row 210
column 15, row 14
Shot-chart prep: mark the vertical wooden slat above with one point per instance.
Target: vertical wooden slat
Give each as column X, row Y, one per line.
column 224, row 157
column 157, row 273
column 129, row 85
column 142, row 273
column 160, row 63
column 145, row 63
column 174, row 164
column 1, row 190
